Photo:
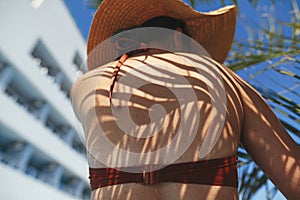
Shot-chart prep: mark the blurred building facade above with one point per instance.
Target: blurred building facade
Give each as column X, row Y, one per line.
column 41, row 51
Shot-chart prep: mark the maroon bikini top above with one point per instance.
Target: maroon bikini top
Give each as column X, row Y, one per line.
column 220, row 172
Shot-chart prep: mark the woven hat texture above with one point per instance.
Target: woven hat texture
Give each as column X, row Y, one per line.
column 213, row 30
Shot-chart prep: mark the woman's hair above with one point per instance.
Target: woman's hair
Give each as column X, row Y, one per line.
column 157, row 22
column 164, row 22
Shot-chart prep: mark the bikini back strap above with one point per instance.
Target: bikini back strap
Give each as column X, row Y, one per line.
column 220, row 172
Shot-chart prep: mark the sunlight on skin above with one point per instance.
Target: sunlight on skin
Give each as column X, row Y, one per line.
column 183, row 191
column 294, row 167
column 176, row 191
column 268, row 143
column 261, row 133
column 148, row 144
column 285, row 145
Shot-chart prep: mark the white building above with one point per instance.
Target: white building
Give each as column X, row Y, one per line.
column 41, row 155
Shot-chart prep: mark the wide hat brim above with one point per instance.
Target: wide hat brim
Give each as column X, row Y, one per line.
column 213, row 30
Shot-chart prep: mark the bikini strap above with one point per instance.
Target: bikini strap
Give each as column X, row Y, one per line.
column 115, row 74
column 143, row 48
column 219, row 172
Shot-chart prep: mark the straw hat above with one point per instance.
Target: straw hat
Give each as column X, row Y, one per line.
column 213, row 30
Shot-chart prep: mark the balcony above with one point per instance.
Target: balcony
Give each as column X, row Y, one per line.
column 23, row 125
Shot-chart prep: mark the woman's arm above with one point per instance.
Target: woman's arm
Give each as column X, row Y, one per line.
column 268, row 143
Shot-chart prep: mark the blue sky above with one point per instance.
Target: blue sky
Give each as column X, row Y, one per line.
column 248, row 17
column 248, row 14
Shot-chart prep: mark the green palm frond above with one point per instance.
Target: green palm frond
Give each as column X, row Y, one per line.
column 92, row 3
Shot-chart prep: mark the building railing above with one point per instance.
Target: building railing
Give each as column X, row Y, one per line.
column 40, row 110
column 23, row 157
column 49, row 173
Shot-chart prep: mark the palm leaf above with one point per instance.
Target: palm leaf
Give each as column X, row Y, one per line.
column 92, row 3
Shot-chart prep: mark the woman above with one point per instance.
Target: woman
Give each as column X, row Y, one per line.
column 162, row 117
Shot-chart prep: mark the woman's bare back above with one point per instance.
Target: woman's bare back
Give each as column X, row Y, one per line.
column 216, row 105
